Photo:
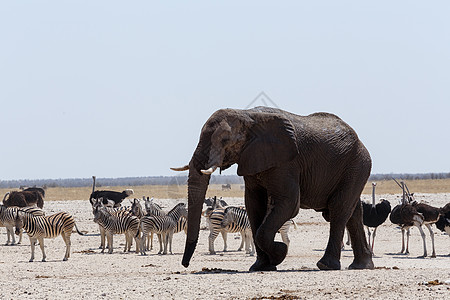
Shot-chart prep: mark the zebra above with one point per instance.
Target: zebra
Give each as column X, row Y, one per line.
column 123, row 223
column 164, row 225
column 116, row 211
column 152, row 209
column 217, row 206
column 284, row 229
column 235, row 219
column 8, row 219
column 40, row 227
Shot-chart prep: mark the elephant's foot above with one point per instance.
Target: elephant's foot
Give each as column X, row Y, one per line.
column 261, row 265
column 328, row 264
column 278, row 253
column 359, row 265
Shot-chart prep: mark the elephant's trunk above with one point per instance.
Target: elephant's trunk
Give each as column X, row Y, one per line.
column 197, row 186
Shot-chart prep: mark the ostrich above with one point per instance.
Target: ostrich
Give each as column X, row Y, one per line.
column 431, row 216
column 375, row 214
column 37, row 189
column 23, row 199
column 406, row 216
column 110, row 198
column 443, row 223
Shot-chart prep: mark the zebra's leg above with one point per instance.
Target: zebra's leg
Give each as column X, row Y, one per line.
column 160, row 239
column 41, row 244
column 212, row 237
column 150, row 240
column 20, row 237
column 33, row 245
column 142, row 249
column 246, row 236
column 164, row 240
column 137, row 240
column 170, row 237
column 224, row 237
column 127, row 242
column 252, row 253
column 102, row 237
column 433, row 255
column 109, row 237
column 66, row 238
column 130, row 239
column 9, row 234
column 243, row 237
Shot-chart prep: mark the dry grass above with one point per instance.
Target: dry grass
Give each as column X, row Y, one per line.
column 180, row 191
column 431, row 186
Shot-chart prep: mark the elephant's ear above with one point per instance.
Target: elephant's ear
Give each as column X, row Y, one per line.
column 271, row 142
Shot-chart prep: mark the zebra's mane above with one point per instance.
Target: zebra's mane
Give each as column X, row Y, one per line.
column 234, row 208
column 176, row 207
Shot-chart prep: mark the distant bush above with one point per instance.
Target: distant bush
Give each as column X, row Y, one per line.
column 178, row 180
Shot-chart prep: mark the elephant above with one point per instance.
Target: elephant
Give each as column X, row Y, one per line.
column 288, row 162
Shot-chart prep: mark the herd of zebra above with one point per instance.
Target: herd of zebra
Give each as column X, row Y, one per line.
column 135, row 222
column 140, row 224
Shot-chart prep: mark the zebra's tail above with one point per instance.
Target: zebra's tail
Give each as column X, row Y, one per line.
column 138, row 232
column 5, row 197
column 79, row 232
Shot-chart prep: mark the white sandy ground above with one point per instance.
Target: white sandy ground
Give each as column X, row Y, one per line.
column 91, row 275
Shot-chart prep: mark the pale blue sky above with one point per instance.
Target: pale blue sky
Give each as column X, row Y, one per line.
column 122, row 88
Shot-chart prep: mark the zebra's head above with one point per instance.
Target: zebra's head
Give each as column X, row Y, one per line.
column 100, row 213
column 136, row 208
column 18, row 223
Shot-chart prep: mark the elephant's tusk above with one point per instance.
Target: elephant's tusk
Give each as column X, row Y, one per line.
column 185, row 168
column 209, row 171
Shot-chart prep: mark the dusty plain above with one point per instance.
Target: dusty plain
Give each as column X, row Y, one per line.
column 89, row 274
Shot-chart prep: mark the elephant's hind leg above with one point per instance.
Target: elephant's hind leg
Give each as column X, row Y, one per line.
column 338, row 217
column 361, row 251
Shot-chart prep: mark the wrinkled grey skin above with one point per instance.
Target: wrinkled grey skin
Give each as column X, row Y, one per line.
column 288, row 162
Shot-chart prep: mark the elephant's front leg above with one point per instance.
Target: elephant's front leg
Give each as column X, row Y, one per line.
column 267, row 218
column 256, row 205
column 265, row 235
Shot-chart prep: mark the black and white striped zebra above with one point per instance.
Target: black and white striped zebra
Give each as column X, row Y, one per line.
column 235, row 219
column 40, row 227
column 116, row 211
column 152, row 209
column 123, row 223
column 8, row 219
column 163, row 225
column 217, row 206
